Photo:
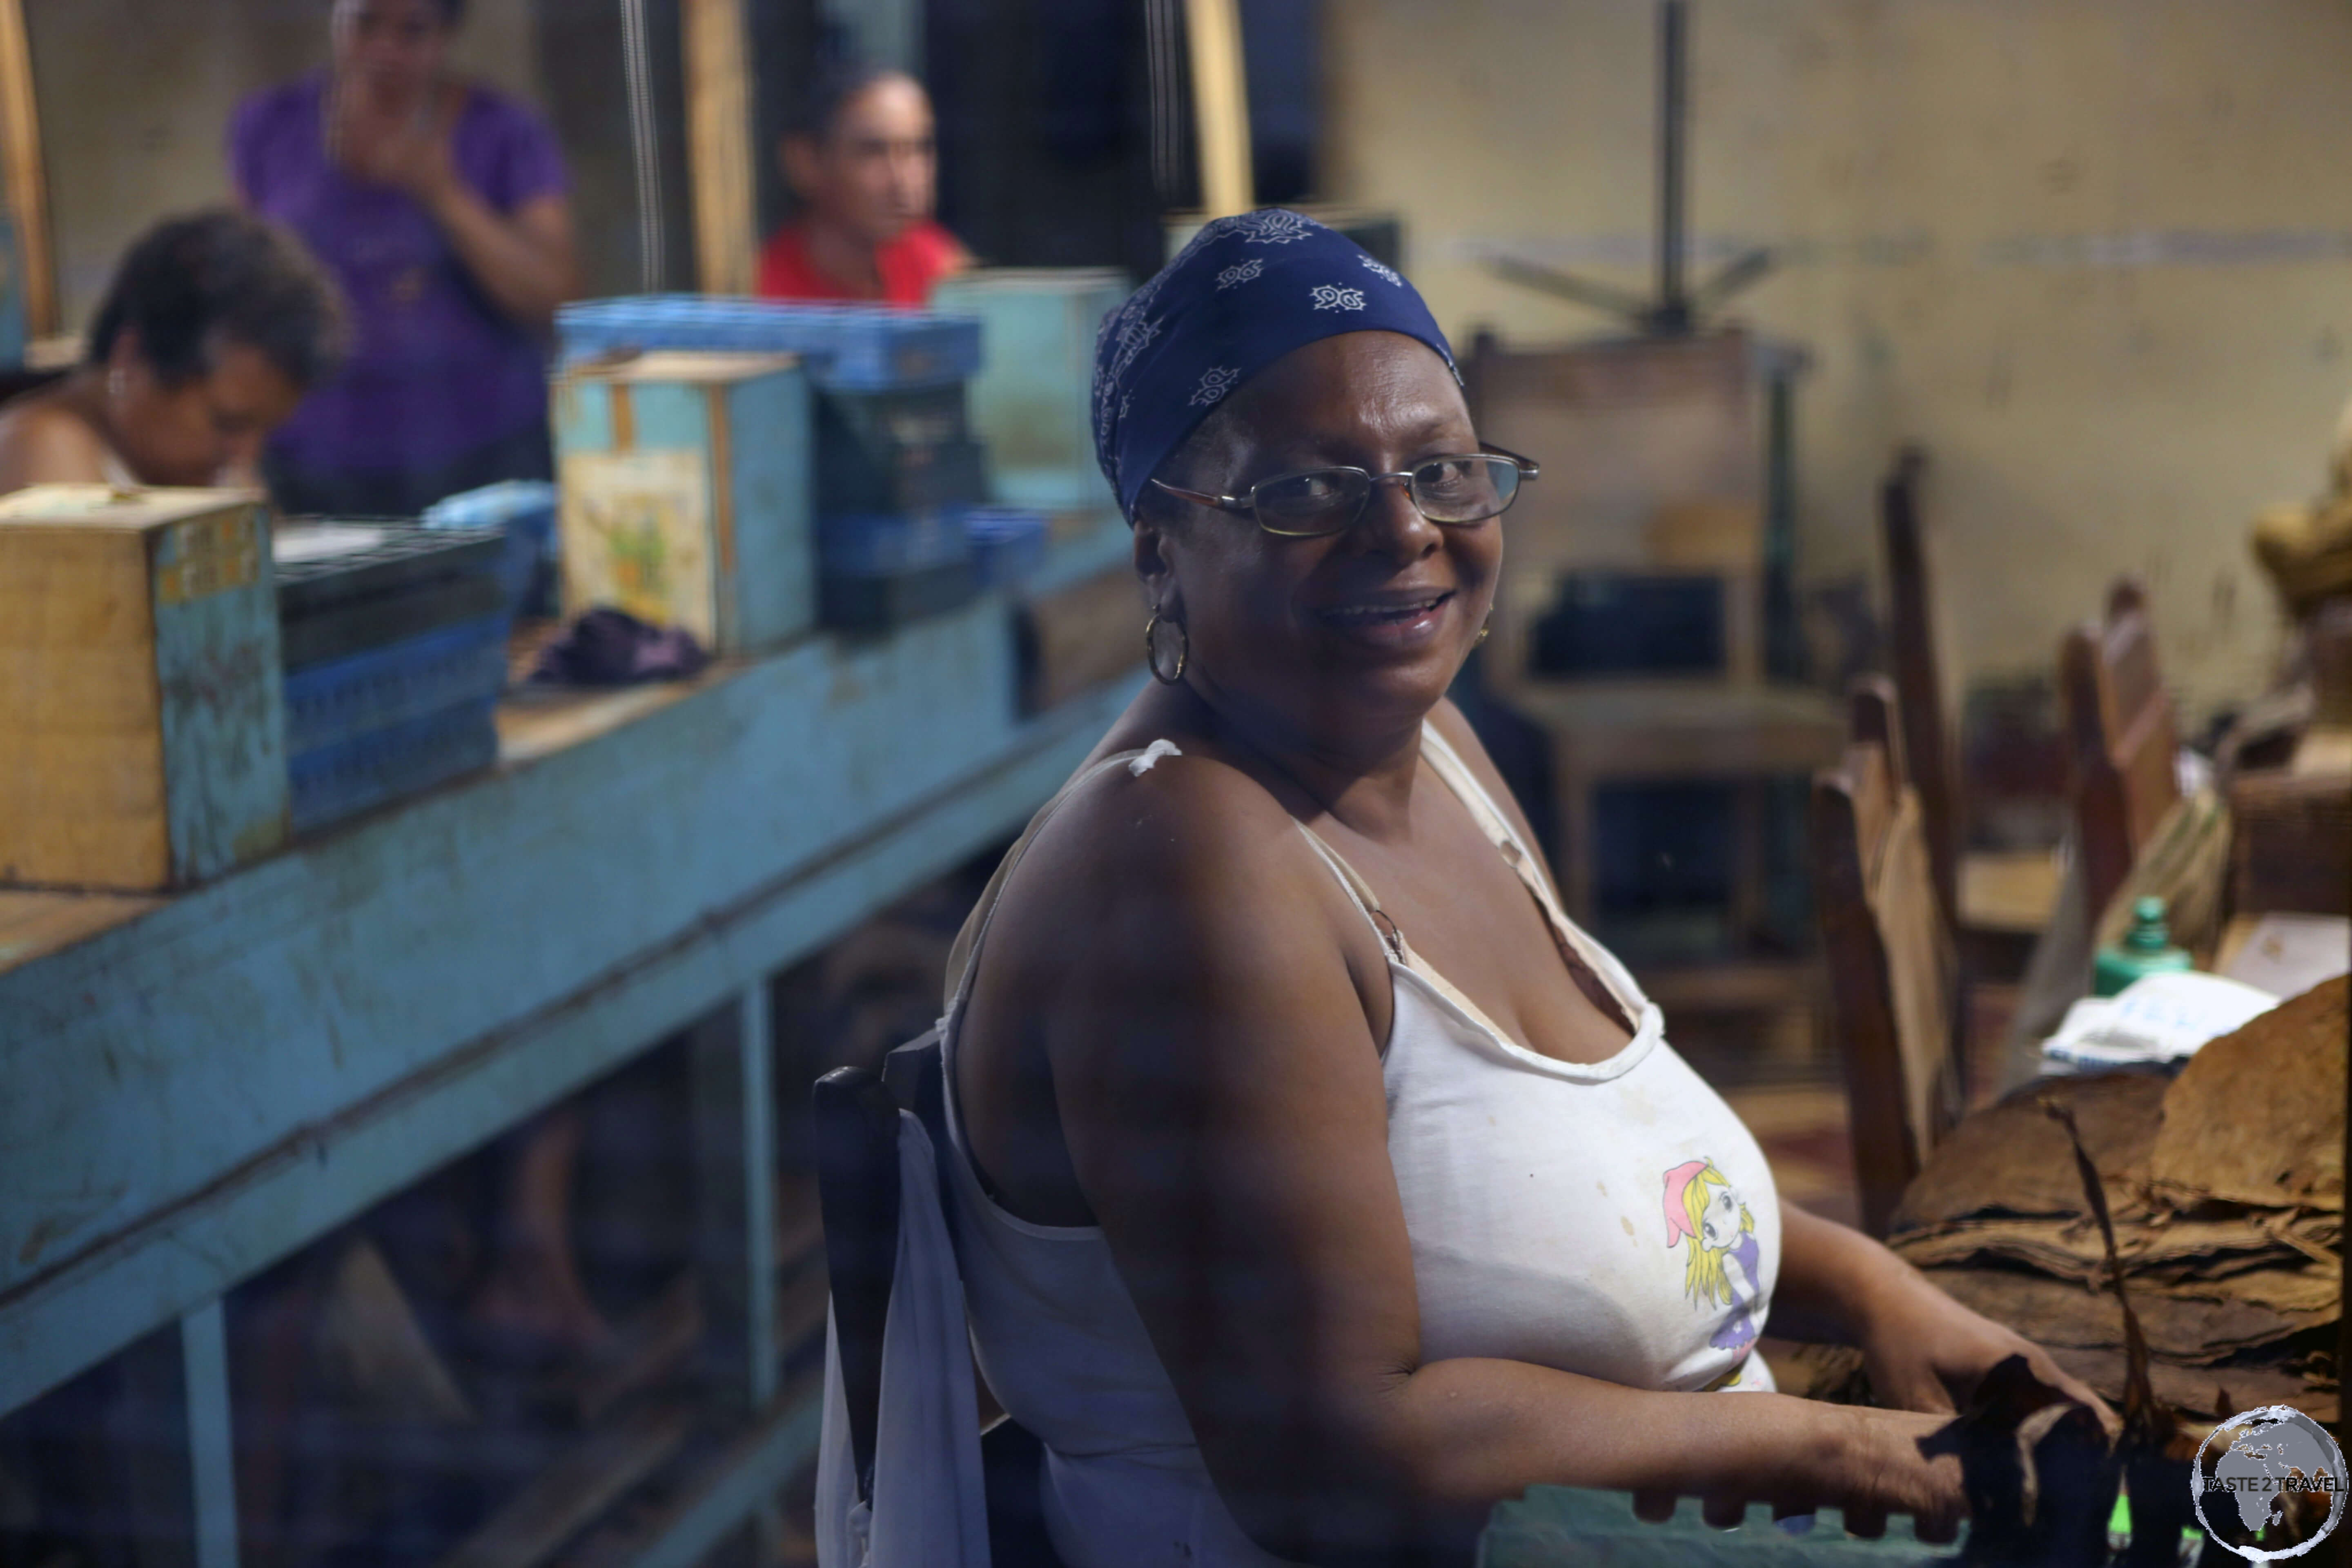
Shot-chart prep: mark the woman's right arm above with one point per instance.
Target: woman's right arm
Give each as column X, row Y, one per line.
column 1221, row 1095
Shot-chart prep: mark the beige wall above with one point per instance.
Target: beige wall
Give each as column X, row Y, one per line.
column 2097, row 255
column 135, row 98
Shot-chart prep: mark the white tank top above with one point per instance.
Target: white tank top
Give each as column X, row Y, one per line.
column 1612, row 1218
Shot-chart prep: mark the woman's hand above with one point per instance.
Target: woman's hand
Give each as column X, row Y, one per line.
column 1871, row 1471
column 1893, row 1479
column 523, row 260
column 410, row 153
column 1926, row 1352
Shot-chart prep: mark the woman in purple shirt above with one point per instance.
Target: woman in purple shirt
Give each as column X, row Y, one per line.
column 440, row 208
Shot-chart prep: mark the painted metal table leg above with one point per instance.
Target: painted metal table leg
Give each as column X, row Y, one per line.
column 735, row 1154
column 759, row 1057
column 204, row 1351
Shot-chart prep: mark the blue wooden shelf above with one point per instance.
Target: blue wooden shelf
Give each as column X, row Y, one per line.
column 193, row 1087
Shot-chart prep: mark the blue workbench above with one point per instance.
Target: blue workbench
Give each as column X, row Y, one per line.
column 193, row 1087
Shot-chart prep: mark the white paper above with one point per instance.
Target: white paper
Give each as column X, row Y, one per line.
column 321, row 542
column 2161, row 1018
column 2286, row 955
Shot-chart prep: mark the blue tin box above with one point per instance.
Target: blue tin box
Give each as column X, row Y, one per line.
column 849, row 348
column 686, row 481
column 1031, row 400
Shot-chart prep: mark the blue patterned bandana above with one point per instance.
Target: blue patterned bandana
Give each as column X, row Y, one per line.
column 1243, row 293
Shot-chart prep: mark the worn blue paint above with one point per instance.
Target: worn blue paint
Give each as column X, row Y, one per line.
column 195, row 1094
column 223, row 708
column 203, row 1358
column 1030, row 400
column 770, row 597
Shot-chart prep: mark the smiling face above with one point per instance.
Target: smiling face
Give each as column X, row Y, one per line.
column 1351, row 636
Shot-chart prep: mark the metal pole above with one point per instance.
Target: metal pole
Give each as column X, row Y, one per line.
column 204, row 1351
column 1674, row 306
column 1220, row 106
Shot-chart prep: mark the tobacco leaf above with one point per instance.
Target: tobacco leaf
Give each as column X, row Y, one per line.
column 2201, row 1390
column 2257, row 1117
column 2069, row 1248
column 2176, row 1256
column 2313, row 1288
column 2189, row 1330
column 2009, row 1159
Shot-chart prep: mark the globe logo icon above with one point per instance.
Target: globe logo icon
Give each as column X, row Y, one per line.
column 2269, row 1483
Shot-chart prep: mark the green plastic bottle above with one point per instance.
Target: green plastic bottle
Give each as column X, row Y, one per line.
column 2147, row 949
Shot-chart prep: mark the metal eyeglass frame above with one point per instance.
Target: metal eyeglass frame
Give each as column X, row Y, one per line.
column 1527, row 467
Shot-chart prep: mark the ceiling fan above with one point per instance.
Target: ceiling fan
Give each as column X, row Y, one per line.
column 1677, row 310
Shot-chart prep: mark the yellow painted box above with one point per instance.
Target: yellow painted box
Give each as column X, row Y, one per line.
column 686, row 493
column 143, row 731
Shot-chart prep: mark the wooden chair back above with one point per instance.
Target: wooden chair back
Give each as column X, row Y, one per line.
column 1652, row 454
column 2121, row 740
column 1918, row 682
column 1889, row 953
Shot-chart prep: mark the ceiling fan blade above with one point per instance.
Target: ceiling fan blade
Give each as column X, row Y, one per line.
column 1740, row 271
column 1567, row 286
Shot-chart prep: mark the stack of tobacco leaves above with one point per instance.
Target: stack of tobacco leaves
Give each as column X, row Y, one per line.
column 2226, row 1186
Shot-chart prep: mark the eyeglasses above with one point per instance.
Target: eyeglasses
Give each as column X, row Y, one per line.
column 1458, row 491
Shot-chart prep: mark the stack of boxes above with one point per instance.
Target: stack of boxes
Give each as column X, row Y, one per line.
column 181, row 688
column 394, row 637
column 895, row 515
column 897, row 470
column 181, row 685
column 1077, row 625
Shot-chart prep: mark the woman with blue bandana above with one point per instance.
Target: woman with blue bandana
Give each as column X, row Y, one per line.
column 1307, row 1162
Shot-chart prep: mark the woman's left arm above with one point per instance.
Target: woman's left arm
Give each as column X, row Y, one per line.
column 1923, row 1349
column 524, row 262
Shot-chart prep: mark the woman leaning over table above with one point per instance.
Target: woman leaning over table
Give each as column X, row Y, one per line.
column 440, row 208
column 214, row 325
column 1318, row 1183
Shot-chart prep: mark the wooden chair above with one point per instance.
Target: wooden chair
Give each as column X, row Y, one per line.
column 1652, row 453
column 856, row 1143
column 2121, row 740
column 1995, row 897
column 1889, row 955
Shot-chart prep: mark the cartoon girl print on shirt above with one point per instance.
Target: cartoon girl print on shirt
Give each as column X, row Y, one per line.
column 1721, row 1264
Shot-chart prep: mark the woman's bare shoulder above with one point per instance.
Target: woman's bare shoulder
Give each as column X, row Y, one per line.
column 44, row 442
column 1178, row 878
column 1184, row 822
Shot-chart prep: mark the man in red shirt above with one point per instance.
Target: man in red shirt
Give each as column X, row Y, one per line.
column 860, row 158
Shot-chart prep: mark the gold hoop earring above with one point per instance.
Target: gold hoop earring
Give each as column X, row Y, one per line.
column 1485, row 631
column 1151, row 650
